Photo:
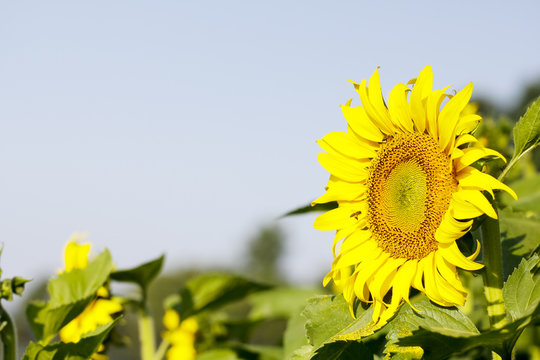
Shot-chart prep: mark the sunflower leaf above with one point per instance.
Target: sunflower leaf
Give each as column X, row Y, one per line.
column 329, row 324
column 141, row 275
column 431, row 317
column 71, row 292
column 84, row 349
column 439, row 342
column 521, row 292
column 527, row 129
column 526, row 134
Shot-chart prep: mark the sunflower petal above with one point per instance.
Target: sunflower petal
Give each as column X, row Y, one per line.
column 360, row 123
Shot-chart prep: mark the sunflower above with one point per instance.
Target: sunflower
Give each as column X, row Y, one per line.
column 406, row 191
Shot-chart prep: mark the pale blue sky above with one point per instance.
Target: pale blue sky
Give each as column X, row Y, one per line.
column 180, row 127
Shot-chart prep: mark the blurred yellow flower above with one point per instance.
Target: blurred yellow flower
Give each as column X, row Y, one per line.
column 181, row 335
column 99, row 311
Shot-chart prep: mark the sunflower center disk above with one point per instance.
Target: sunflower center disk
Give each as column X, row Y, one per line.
column 409, row 189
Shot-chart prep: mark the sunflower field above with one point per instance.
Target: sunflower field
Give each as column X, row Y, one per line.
column 432, row 209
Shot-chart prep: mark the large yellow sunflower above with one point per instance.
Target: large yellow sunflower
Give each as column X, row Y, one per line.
column 406, row 192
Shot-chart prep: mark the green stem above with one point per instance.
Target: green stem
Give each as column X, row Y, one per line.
column 160, row 353
column 493, row 272
column 8, row 336
column 146, row 335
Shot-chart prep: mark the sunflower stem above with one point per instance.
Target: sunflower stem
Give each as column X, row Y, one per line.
column 493, row 272
column 146, row 335
column 8, row 336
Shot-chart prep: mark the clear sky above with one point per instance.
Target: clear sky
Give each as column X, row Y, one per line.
column 181, row 127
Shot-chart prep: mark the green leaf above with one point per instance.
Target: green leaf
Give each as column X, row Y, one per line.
column 79, row 284
column 440, row 343
column 329, row 319
column 527, row 130
column 313, row 208
column 210, row 291
column 71, row 292
column 431, row 317
column 141, row 275
column 36, row 317
column 520, row 234
column 84, row 349
column 344, row 350
column 526, row 134
column 521, row 292
column 295, row 337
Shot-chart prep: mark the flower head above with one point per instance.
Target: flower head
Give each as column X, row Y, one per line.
column 100, row 310
column 181, row 335
column 406, row 191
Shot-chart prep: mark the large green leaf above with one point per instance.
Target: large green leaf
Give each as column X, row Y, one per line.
column 442, row 343
column 329, row 320
column 79, row 284
column 527, row 130
column 71, row 292
column 141, row 275
column 429, row 316
column 209, row 291
column 82, row 350
column 526, row 134
column 521, row 292
column 520, row 234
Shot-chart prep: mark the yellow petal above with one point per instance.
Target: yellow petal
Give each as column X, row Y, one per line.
column 360, row 123
column 476, row 199
column 463, row 210
column 381, row 121
column 472, row 155
column 343, row 168
column 449, row 117
column 336, row 219
column 470, row 178
column 346, row 144
column 419, row 93
column 464, row 139
column 381, row 282
column 399, row 108
column 449, row 272
column 403, row 280
column 467, row 123
column 433, row 105
column 451, row 253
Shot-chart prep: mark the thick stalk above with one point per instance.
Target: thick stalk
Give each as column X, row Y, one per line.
column 8, row 336
column 146, row 335
column 493, row 272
